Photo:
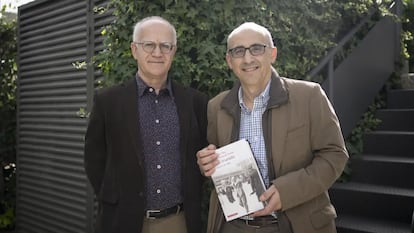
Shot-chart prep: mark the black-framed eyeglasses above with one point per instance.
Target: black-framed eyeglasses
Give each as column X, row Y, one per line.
column 149, row 46
column 254, row 49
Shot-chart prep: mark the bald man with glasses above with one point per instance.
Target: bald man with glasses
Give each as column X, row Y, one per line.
column 294, row 134
column 141, row 142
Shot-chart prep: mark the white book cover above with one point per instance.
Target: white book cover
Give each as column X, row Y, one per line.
column 237, row 180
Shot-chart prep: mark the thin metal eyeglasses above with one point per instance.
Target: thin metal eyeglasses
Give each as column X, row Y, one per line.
column 254, row 49
column 149, row 46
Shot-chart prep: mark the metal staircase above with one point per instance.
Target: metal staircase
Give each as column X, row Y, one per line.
column 379, row 198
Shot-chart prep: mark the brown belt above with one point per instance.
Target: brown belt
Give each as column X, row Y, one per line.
column 260, row 221
column 155, row 214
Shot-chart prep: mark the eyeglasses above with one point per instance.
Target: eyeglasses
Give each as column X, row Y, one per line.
column 149, row 46
column 254, row 49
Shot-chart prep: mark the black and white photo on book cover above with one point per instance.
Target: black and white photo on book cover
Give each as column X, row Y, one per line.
column 237, row 180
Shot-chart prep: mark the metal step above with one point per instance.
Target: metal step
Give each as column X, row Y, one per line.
column 375, row 201
column 383, row 170
column 396, row 119
column 393, row 143
column 359, row 224
column 400, row 98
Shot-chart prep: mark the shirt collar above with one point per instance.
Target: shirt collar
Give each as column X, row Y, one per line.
column 264, row 95
column 142, row 86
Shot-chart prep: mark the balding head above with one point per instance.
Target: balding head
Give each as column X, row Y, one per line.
column 150, row 20
column 251, row 27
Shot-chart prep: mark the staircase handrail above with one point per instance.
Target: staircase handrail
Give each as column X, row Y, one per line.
column 340, row 45
column 358, row 73
column 331, row 54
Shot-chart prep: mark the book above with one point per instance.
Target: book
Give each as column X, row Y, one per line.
column 237, row 180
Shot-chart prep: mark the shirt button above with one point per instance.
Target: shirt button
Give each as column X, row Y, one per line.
column 158, row 191
column 151, row 90
column 158, row 166
column 158, row 143
column 156, row 101
column 157, row 121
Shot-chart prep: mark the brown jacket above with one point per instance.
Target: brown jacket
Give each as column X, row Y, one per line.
column 304, row 145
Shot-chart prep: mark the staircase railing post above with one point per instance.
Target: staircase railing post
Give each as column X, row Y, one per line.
column 331, row 79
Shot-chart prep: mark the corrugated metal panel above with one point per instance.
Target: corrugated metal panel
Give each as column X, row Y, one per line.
column 52, row 189
column 53, row 194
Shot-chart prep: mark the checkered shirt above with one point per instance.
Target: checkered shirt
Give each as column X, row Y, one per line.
column 251, row 129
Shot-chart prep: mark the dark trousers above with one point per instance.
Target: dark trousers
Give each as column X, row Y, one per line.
column 238, row 226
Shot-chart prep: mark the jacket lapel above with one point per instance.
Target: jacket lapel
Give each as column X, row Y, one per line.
column 130, row 111
column 279, row 96
column 229, row 122
column 184, row 106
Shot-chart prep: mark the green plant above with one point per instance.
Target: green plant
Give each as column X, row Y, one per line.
column 303, row 32
column 7, row 207
column 408, row 37
column 8, row 75
column 354, row 142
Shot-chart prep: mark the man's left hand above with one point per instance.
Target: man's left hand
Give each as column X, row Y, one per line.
column 272, row 197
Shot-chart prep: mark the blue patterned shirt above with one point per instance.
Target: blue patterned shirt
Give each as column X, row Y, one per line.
column 160, row 134
column 251, row 129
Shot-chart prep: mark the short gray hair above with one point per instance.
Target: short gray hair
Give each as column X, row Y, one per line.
column 138, row 25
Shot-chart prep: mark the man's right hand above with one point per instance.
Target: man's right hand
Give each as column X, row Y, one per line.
column 207, row 160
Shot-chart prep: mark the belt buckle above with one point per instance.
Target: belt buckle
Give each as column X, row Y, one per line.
column 178, row 209
column 246, row 221
column 148, row 212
